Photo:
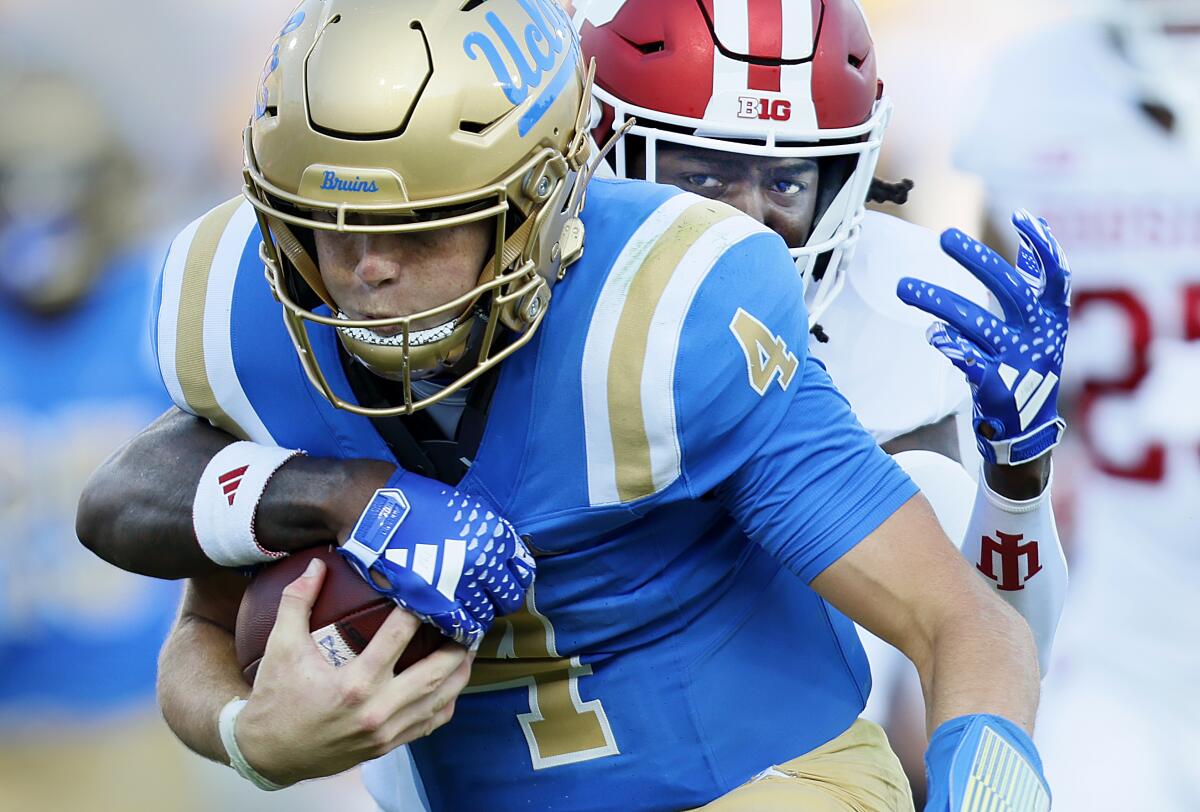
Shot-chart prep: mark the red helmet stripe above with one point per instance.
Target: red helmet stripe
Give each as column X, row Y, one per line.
column 766, row 41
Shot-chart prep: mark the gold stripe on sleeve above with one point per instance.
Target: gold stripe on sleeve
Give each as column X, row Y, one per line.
column 189, row 348
column 631, row 444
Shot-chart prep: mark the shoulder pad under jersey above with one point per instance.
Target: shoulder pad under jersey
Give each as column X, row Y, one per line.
column 877, row 354
column 191, row 321
column 693, row 342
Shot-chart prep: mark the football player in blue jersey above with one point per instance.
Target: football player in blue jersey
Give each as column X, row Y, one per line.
column 482, row 399
column 777, row 109
column 78, row 642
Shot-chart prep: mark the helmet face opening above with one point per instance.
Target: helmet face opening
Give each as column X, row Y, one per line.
column 730, row 77
column 427, row 139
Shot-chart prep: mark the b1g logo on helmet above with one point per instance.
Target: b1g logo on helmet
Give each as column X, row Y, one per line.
column 548, row 34
column 764, row 109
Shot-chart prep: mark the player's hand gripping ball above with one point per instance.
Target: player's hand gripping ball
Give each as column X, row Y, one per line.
column 447, row 557
column 1012, row 363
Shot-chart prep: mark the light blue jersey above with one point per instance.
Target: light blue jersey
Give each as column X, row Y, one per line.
column 684, row 471
column 79, row 639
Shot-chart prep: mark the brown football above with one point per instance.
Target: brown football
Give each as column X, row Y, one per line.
column 345, row 617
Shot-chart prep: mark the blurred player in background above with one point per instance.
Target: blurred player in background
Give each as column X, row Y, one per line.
column 1096, row 123
column 734, row 101
column 78, row 641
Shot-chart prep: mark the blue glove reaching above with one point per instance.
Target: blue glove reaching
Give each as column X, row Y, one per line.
column 1013, row 364
column 456, row 564
column 983, row 762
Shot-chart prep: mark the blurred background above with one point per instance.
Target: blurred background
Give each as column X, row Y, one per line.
column 121, row 122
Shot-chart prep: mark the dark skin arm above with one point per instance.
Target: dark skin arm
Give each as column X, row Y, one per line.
column 136, row 509
column 1019, row 482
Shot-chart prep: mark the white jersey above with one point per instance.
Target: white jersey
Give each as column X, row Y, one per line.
column 1064, row 135
column 1066, row 138
column 877, row 354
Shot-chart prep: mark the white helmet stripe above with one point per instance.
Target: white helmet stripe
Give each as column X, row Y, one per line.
column 797, row 29
column 732, row 77
column 796, row 80
column 731, row 19
column 796, row 84
column 597, row 12
column 732, row 23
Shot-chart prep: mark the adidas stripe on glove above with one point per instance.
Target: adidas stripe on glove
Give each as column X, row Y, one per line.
column 445, row 556
column 1012, row 363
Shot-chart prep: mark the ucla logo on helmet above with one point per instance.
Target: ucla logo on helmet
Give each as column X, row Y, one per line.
column 263, row 99
column 547, row 36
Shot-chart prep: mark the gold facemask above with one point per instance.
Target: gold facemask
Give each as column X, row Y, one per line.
column 426, row 115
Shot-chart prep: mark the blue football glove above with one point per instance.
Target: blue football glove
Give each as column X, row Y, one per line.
column 983, row 762
column 1013, row 364
column 445, row 556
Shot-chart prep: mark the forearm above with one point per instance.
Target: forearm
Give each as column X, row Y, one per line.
column 137, row 510
column 982, row 661
column 907, row 584
column 198, row 671
column 315, row 501
column 197, row 675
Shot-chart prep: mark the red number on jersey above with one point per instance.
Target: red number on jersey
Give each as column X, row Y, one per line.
column 1151, row 465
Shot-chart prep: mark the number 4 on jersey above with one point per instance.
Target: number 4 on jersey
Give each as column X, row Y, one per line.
column 766, row 354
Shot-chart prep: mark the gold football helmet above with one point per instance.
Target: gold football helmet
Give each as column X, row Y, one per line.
column 68, row 186
column 376, row 116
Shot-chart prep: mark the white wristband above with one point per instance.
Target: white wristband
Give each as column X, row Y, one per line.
column 226, row 500
column 225, row 725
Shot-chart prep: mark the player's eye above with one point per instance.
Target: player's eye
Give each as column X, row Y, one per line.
column 710, row 183
column 789, row 187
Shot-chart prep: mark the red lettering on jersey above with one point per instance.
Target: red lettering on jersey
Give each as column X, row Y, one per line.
column 1152, row 465
column 1010, row 550
column 1107, row 226
column 1191, row 313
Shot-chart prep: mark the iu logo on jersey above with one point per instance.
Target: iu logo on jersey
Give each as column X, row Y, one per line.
column 1009, row 549
column 764, row 109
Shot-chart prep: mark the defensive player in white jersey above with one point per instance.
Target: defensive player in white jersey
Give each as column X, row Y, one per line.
column 774, row 107
column 1107, row 145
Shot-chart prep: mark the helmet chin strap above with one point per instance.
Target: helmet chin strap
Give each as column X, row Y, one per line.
column 302, row 262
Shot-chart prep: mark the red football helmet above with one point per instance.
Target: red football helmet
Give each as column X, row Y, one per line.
column 779, row 78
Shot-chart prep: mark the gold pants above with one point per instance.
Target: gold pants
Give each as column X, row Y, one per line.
column 856, row 772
